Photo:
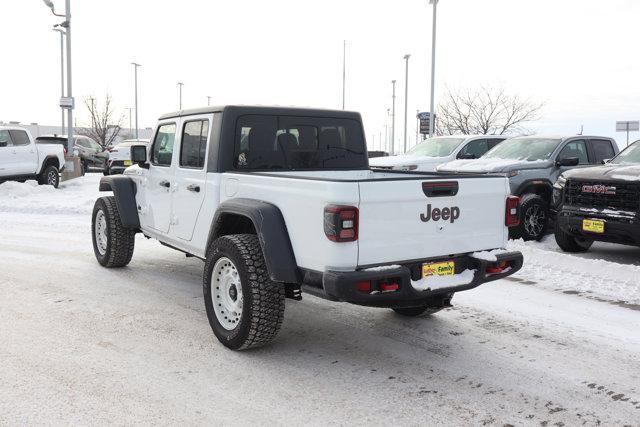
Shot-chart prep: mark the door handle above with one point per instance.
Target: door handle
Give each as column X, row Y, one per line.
column 166, row 184
column 193, row 187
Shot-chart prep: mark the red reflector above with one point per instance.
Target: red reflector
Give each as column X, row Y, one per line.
column 389, row 287
column 496, row 269
column 363, row 286
column 511, row 218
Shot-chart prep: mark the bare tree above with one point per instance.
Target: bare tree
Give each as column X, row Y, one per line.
column 105, row 125
column 485, row 111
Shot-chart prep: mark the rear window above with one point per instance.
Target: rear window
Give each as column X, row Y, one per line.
column 298, row 143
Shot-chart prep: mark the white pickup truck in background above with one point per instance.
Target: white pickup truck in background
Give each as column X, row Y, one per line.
column 280, row 201
column 21, row 158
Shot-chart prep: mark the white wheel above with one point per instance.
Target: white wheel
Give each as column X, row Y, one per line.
column 226, row 293
column 101, row 232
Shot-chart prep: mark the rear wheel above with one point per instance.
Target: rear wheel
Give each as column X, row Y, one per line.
column 50, row 176
column 245, row 308
column 113, row 244
column 569, row 243
column 534, row 217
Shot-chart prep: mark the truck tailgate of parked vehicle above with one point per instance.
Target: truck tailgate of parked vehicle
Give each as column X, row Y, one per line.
column 422, row 218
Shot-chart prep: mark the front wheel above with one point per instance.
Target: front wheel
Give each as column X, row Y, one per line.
column 245, row 308
column 534, row 217
column 568, row 243
column 50, row 176
column 112, row 243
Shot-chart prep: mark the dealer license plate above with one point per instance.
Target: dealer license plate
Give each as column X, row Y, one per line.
column 593, row 225
column 127, row 162
column 446, row 268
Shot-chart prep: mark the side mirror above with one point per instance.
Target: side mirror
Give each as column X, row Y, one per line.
column 568, row 161
column 467, row 156
column 605, row 161
column 139, row 154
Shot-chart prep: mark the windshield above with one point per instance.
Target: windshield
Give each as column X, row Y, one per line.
column 629, row 156
column 530, row 149
column 436, row 147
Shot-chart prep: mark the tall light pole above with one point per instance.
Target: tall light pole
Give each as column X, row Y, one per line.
column 344, row 69
column 208, row 101
column 433, row 68
column 62, row 34
column 393, row 119
column 130, row 126
column 135, row 91
column 180, row 84
column 406, row 99
column 69, row 101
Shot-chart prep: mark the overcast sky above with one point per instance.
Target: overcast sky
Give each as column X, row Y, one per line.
column 580, row 57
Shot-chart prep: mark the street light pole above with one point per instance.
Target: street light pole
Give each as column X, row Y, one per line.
column 344, row 69
column 208, row 101
column 433, row 68
column 62, row 33
column 393, row 119
column 406, row 103
column 180, row 84
column 135, row 90
column 92, row 99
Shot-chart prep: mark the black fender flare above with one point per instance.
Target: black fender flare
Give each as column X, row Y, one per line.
column 124, row 190
column 272, row 233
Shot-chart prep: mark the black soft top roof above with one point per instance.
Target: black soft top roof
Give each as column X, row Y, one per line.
column 237, row 110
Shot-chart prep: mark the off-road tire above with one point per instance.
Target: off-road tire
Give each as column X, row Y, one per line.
column 119, row 240
column 568, row 243
column 529, row 203
column 263, row 300
column 50, row 176
column 416, row 311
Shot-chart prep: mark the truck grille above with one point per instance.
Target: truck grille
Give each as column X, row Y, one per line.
column 626, row 197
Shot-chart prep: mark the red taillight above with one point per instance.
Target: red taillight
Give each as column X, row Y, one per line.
column 389, row 287
column 341, row 223
column 364, row 286
column 512, row 218
column 497, row 269
column 65, row 151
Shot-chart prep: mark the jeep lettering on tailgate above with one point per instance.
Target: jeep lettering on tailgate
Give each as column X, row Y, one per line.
column 445, row 214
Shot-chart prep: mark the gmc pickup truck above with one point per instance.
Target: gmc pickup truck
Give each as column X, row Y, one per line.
column 280, row 201
column 21, row 158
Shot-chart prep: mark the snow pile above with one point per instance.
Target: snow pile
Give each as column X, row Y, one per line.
column 76, row 196
column 440, row 282
column 545, row 265
column 488, row 255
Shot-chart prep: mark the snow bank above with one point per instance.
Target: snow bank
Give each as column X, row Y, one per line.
column 76, row 196
column 440, row 282
column 545, row 265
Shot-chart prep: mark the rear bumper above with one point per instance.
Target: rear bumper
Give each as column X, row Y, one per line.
column 623, row 230
column 342, row 286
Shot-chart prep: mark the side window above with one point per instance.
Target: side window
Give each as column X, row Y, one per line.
column 602, row 149
column 475, row 148
column 575, row 149
column 5, row 139
column 81, row 142
column 193, row 147
column 162, row 151
column 19, row 137
column 493, row 142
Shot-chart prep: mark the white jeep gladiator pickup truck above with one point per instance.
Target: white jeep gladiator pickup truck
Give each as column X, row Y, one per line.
column 280, row 201
column 21, row 158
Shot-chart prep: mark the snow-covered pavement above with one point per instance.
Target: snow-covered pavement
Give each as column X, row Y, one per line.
column 558, row 343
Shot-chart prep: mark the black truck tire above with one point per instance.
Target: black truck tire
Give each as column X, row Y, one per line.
column 113, row 244
column 569, row 243
column 245, row 308
column 50, row 176
column 416, row 311
column 534, row 217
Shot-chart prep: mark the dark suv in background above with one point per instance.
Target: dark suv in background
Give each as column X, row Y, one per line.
column 600, row 203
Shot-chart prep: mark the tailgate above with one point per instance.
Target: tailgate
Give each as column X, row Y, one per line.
column 400, row 220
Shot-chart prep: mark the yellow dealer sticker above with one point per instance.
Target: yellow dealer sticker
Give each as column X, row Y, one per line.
column 593, row 225
column 447, row 268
